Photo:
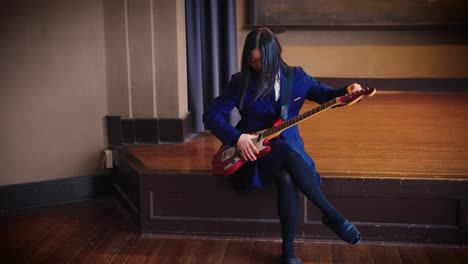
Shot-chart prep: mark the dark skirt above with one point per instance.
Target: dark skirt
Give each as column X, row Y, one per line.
column 261, row 173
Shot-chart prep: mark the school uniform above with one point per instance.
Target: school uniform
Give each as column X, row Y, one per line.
column 262, row 114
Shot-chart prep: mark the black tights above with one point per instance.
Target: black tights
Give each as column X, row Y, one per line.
column 297, row 174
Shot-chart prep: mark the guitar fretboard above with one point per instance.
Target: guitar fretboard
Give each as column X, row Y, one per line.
column 299, row 118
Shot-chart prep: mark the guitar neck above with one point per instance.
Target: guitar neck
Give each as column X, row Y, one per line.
column 275, row 131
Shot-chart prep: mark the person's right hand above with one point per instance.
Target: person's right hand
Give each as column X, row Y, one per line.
column 247, row 147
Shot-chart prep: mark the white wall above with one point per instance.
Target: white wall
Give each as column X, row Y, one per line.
column 52, row 89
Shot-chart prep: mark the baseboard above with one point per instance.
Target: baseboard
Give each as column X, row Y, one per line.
column 44, row 193
column 175, row 129
column 148, row 130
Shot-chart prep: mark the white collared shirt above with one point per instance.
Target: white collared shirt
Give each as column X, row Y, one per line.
column 277, row 87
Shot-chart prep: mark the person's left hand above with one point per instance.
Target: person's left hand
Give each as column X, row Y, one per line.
column 353, row 88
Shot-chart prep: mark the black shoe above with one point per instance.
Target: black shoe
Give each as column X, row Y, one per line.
column 291, row 261
column 346, row 231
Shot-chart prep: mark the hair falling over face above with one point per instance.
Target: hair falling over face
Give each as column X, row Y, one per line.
column 261, row 62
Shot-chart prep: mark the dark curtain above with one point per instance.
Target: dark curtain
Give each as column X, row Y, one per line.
column 211, row 52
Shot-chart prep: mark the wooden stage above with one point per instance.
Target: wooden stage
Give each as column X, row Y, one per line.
column 402, row 153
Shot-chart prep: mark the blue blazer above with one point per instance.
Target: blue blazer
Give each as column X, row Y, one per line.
column 262, row 113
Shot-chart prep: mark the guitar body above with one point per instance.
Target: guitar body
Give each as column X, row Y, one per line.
column 228, row 160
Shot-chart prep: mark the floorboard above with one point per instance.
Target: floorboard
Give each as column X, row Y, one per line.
column 238, row 252
column 99, row 231
column 311, row 252
column 461, row 254
column 440, row 255
column 415, row 255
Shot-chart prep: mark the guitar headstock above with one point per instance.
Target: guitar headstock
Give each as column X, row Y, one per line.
column 354, row 97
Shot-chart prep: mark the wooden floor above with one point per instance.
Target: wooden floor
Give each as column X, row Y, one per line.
column 390, row 135
column 98, row 231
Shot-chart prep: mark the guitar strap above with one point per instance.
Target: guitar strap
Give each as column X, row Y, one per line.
column 286, row 95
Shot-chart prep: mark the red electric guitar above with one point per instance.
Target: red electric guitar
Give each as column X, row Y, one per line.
column 228, row 160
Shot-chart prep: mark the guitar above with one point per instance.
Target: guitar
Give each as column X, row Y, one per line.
column 229, row 159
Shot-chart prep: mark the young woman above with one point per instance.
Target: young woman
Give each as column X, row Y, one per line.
column 257, row 91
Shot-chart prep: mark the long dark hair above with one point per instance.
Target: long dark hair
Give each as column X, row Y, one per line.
column 264, row 40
